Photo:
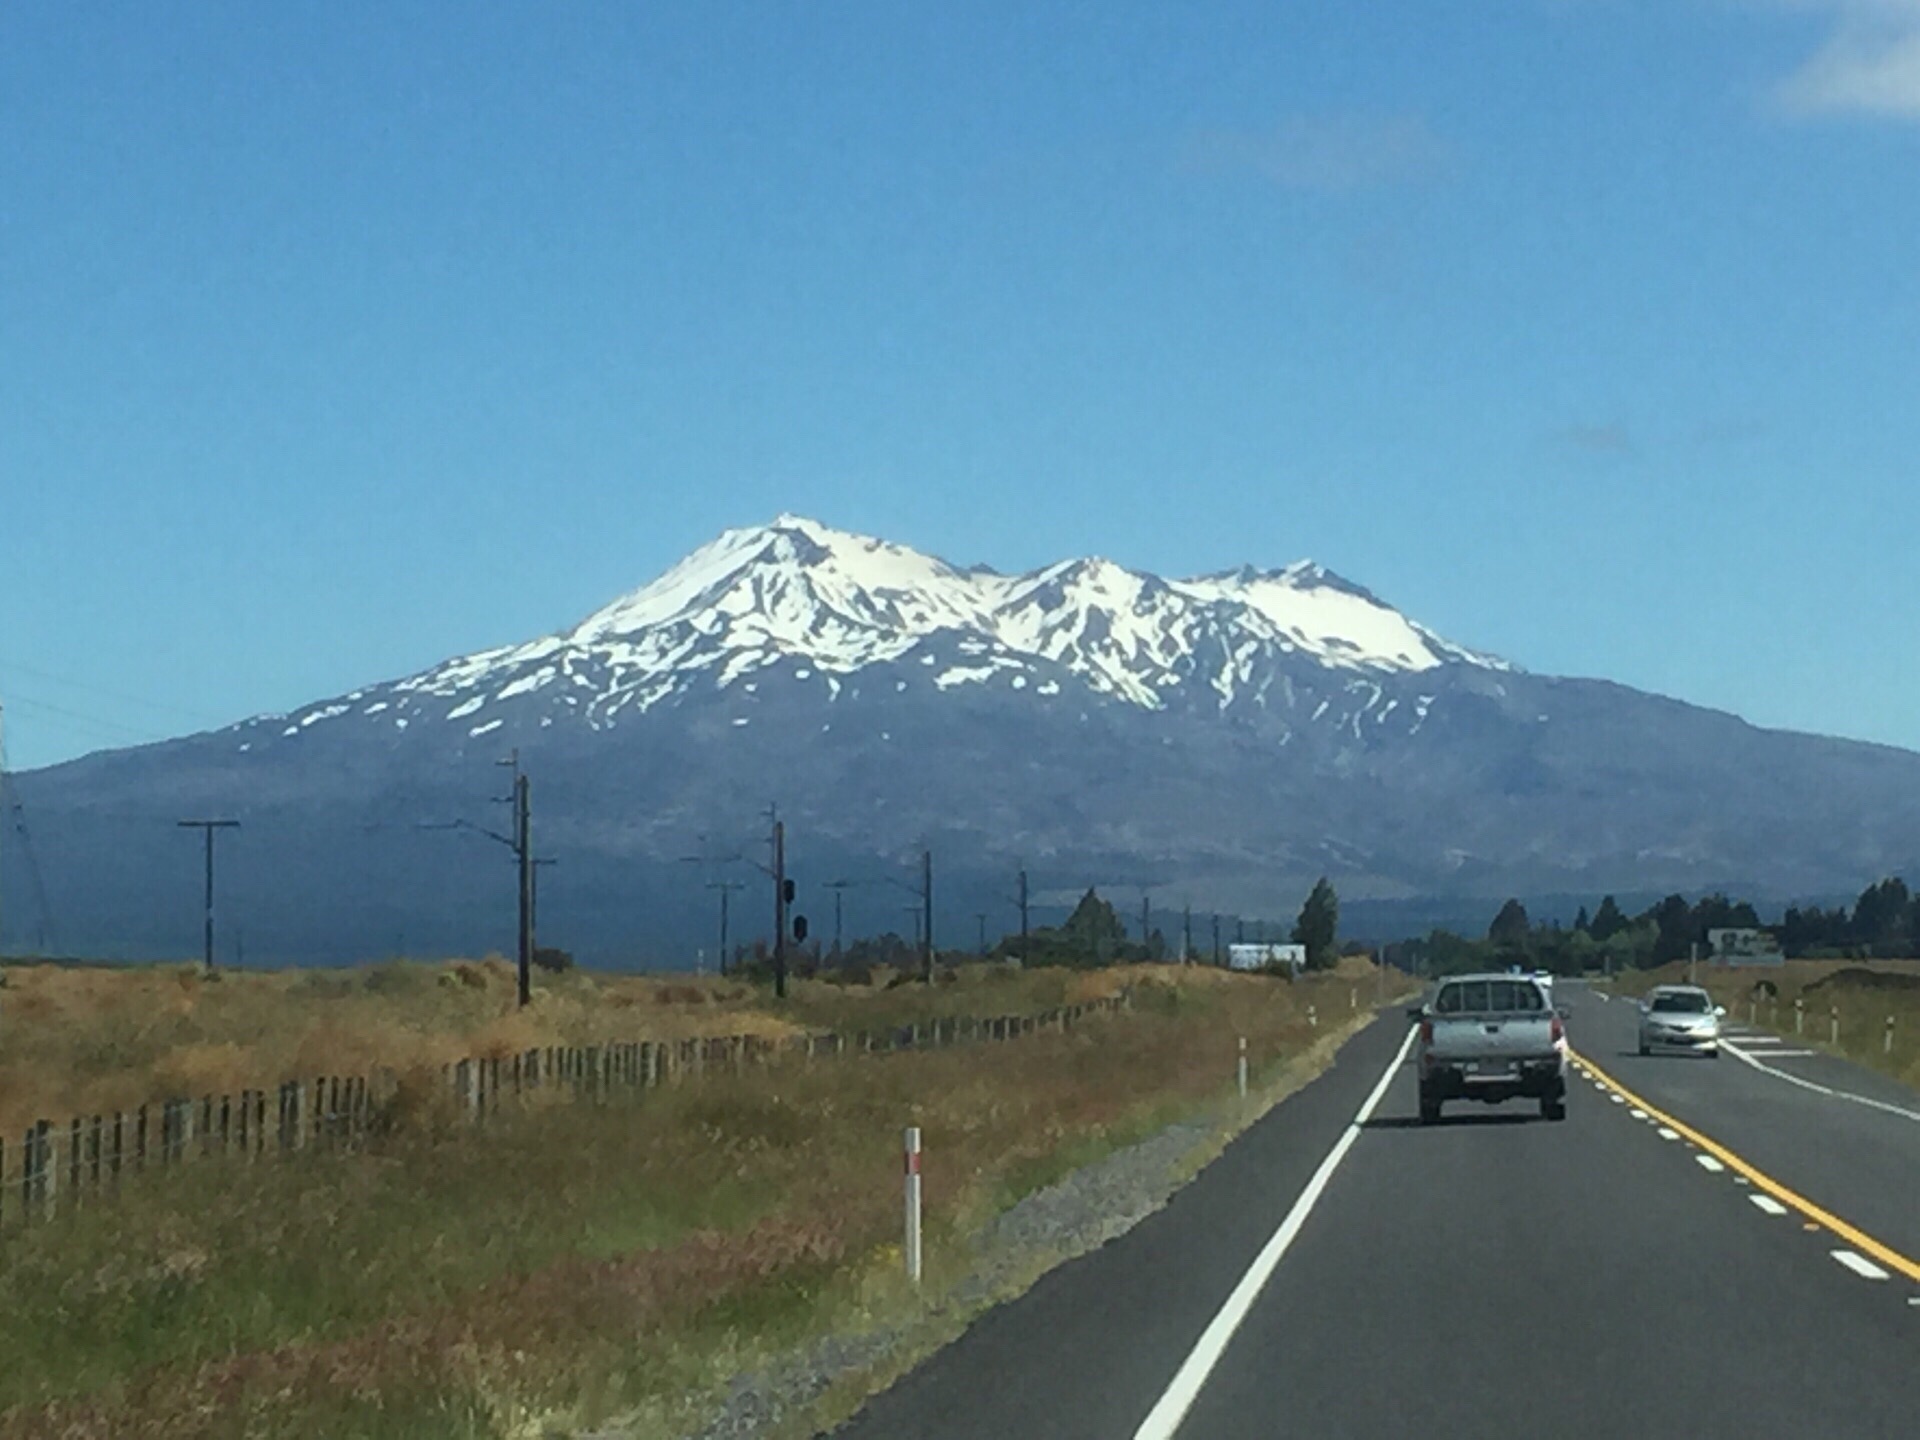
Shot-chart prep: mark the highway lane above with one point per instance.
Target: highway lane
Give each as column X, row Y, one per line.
column 1861, row 1162
column 1499, row 1275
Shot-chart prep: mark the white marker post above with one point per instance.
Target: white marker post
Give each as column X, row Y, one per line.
column 1313, row 1018
column 1799, row 1015
column 1833, row 1025
column 1243, row 1065
column 1886, row 1044
column 913, row 1204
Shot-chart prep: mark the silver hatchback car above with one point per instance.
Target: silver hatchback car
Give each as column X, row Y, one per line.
column 1680, row 1017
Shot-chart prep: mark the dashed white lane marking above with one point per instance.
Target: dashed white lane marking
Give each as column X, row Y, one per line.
column 1860, row 1265
column 1785, row 1054
column 1666, row 1134
column 1165, row 1417
column 1707, row 1162
column 1805, row 1084
column 1618, row 1099
column 1637, row 1113
column 1768, row 1204
column 1752, row 1039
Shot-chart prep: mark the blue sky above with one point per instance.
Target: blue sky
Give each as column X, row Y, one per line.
column 333, row 344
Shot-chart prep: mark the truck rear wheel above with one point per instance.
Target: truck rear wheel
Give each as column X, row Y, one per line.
column 1429, row 1110
column 1553, row 1107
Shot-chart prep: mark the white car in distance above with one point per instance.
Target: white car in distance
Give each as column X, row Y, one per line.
column 1680, row 1017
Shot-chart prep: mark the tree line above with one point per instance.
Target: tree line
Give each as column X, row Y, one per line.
column 1093, row 935
column 1885, row 920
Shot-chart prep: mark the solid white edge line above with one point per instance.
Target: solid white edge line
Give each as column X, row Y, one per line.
column 1860, row 1265
column 1768, row 1204
column 1805, row 1084
column 1165, row 1417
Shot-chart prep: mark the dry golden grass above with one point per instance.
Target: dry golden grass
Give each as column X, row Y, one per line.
column 78, row 1040
column 86, row 1040
column 562, row 1266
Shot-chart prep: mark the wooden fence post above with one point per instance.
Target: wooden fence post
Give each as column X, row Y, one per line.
column 49, row 1166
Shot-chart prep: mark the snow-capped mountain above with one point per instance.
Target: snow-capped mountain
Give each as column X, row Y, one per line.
column 810, row 605
column 1221, row 740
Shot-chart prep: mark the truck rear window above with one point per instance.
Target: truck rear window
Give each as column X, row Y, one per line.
column 1482, row 997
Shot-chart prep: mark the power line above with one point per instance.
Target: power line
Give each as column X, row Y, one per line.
column 111, row 729
column 88, row 687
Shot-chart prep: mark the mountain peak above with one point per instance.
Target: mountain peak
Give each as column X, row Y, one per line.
column 824, row 603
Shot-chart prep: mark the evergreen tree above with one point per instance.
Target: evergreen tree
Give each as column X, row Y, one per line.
column 1674, row 919
column 1094, row 931
column 1319, row 926
column 1581, row 924
column 1609, row 920
column 1882, row 912
column 1510, row 927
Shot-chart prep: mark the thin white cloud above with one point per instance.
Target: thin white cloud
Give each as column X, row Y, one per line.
column 1870, row 65
column 1328, row 152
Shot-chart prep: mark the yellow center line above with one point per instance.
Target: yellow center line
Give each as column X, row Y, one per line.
column 1855, row 1237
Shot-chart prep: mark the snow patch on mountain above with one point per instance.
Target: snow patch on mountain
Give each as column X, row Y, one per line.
column 828, row 604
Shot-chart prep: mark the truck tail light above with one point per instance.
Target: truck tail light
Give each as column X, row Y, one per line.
column 1426, row 1032
column 1559, row 1031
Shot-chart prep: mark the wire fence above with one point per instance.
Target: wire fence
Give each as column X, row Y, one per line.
column 60, row 1167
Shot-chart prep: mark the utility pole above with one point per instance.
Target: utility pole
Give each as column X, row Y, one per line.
column 1186, row 935
column 1146, row 925
column 726, row 888
column 926, row 901
column 1023, row 917
column 1239, row 931
column 207, row 827
column 981, row 916
column 523, row 852
column 839, row 888
column 1216, row 938
column 780, row 899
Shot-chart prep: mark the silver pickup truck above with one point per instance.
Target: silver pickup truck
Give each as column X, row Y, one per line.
column 1491, row 1038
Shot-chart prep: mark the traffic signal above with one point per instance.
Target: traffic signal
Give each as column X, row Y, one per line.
column 800, row 929
column 787, row 891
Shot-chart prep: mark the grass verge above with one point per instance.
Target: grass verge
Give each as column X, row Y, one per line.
column 569, row 1264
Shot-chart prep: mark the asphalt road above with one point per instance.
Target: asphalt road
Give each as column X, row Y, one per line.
column 1496, row 1275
